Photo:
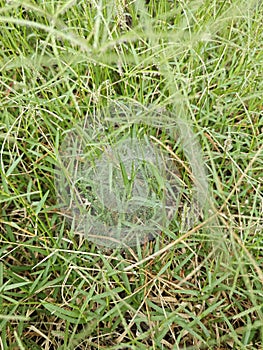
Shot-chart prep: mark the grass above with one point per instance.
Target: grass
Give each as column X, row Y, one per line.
column 201, row 63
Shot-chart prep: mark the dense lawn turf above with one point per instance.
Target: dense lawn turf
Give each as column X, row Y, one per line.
column 198, row 63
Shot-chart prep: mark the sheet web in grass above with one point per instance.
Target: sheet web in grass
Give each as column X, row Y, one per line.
column 118, row 188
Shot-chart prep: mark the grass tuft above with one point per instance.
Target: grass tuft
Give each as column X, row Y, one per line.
column 196, row 68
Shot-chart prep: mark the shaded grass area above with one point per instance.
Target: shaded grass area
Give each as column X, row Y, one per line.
column 62, row 61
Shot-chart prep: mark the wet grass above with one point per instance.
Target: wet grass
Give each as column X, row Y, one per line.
column 199, row 64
